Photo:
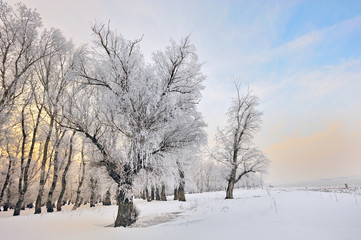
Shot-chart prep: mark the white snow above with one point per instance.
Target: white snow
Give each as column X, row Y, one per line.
column 253, row 214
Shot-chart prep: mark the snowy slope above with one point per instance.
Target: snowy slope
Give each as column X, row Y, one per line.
column 253, row 214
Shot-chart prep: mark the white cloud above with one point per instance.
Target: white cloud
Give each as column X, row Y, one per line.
column 329, row 80
column 302, row 47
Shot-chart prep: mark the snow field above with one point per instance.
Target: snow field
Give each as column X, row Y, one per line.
column 253, row 214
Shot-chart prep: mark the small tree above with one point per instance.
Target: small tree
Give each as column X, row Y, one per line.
column 234, row 144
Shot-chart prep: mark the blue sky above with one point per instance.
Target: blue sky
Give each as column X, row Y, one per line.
column 302, row 58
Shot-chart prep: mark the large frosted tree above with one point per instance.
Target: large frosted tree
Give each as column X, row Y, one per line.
column 138, row 115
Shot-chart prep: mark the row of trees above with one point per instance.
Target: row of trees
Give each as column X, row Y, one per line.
column 101, row 119
column 37, row 70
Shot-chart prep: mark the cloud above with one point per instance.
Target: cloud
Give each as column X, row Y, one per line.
column 302, row 47
column 330, row 79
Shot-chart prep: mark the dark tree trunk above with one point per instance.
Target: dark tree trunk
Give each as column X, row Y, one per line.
column 22, row 159
column 49, row 202
column 8, row 194
column 127, row 213
column 107, row 199
column 5, row 207
column 231, row 182
column 43, row 164
column 24, row 175
column 163, row 197
column 157, row 194
column 63, row 179
column 78, row 191
column 93, row 187
column 181, row 193
column 147, row 195
column 152, row 193
column 143, row 195
column 175, row 194
column 8, row 173
column 230, row 187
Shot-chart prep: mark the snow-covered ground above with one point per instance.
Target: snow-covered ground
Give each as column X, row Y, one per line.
column 253, row 214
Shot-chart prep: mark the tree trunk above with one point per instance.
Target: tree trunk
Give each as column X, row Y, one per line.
column 81, row 201
column 157, row 194
column 24, row 175
column 63, row 179
column 152, row 193
column 7, row 178
column 7, row 203
column 127, row 213
column 78, row 191
column 230, row 187
column 175, row 194
column 231, row 182
column 181, row 194
column 142, row 195
column 49, row 202
column 93, row 186
column 43, row 164
column 8, row 194
column 147, row 195
column 107, row 201
column 163, row 197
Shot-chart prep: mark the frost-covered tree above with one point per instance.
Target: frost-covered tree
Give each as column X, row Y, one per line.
column 19, row 51
column 29, row 129
column 27, row 58
column 52, row 75
column 59, row 135
column 141, row 114
column 208, row 175
column 234, row 144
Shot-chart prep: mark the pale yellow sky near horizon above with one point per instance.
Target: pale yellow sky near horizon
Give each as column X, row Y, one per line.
column 332, row 152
